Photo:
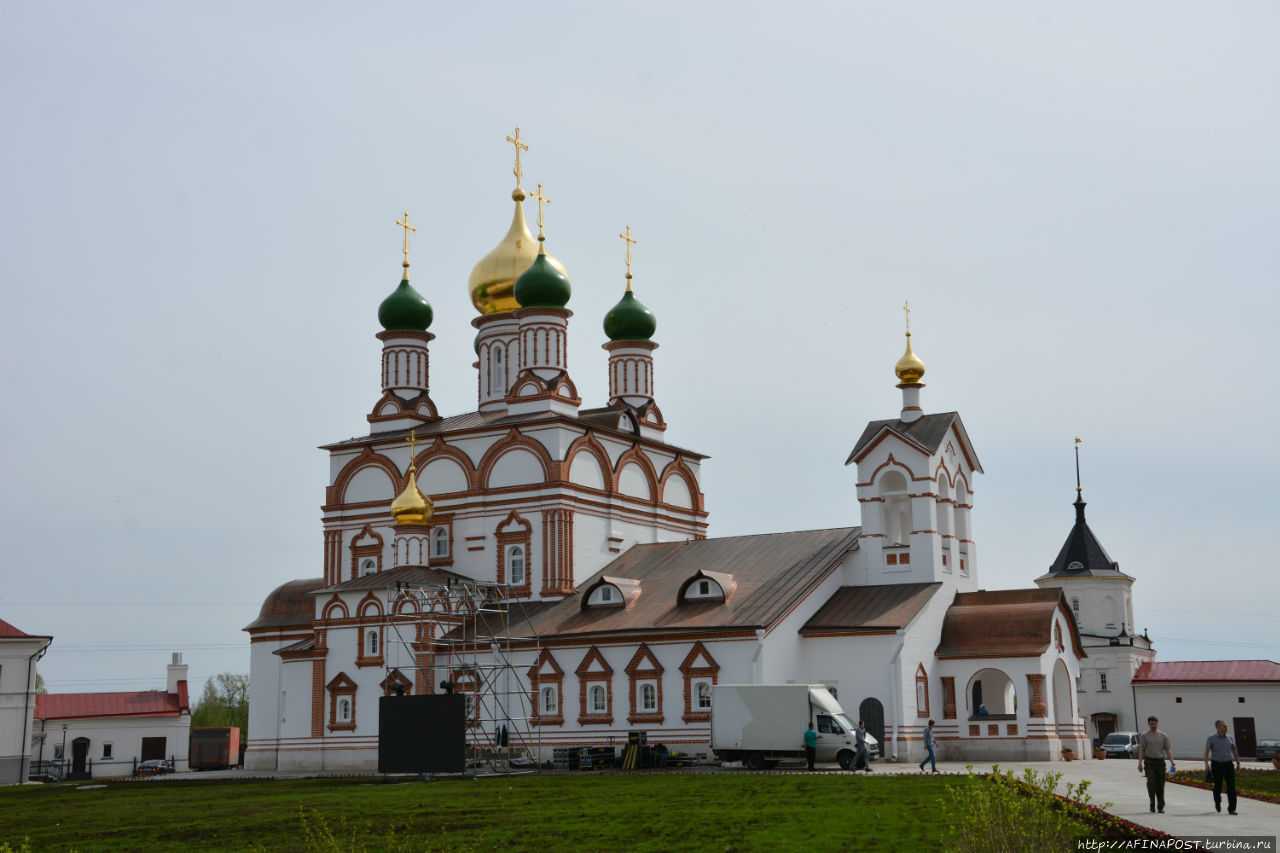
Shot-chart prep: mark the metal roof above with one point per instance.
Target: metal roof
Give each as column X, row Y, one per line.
column 1207, row 670
column 1004, row 623
column 926, row 432
column 871, row 609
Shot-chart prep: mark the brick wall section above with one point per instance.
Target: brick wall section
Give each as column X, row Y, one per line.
column 317, row 697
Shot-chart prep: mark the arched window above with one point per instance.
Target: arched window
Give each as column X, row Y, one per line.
column 368, row 567
column 946, row 511
column 599, row 699
column 344, row 710
column 498, row 385
column 515, row 565
column 648, row 697
column 896, row 508
column 440, row 542
column 550, row 706
column 703, row 698
column 371, row 643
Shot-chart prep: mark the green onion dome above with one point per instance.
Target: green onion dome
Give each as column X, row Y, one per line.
column 405, row 310
column 630, row 320
column 542, row 285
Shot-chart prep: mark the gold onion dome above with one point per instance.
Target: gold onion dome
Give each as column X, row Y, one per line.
column 492, row 282
column 411, row 506
column 910, row 368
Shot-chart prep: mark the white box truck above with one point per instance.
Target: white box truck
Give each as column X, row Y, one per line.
column 762, row 724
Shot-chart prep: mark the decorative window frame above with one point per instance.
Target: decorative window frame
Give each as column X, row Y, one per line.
column 437, row 522
column 644, row 666
column 694, row 673
column 538, row 680
column 466, row 681
column 370, row 613
column 922, row 690
column 371, row 546
column 339, row 687
column 396, row 677
column 515, row 529
column 948, row 697
column 586, row 678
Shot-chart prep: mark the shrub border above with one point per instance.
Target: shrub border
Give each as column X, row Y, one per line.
column 1192, row 782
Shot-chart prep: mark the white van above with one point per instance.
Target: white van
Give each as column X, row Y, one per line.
column 762, row 724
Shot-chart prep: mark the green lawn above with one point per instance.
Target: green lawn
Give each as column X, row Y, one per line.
column 720, row 812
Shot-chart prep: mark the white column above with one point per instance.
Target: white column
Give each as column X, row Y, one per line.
column 498, row 359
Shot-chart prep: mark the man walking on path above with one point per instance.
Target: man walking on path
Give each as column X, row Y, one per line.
column 1153, row 749
column 930, row 759
column 862, row 760
column 1219, row 753
column 810, row 745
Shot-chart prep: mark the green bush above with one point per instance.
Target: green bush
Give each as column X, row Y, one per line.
column 1003, row 813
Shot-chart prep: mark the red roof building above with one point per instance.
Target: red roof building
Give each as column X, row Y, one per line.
column 137, row 703
column 1156, row 672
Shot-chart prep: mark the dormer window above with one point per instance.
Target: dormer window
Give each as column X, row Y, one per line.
column 707, row 586
column 605, row 595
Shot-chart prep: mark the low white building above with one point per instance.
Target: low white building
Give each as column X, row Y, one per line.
column 1188, row 696
column 19, row 652
column 109, row 734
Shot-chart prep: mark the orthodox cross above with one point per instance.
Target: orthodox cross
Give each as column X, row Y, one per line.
column 542, row 201
column 519, row 146
column 906, row 311
column 413, row 441
column 403, row 222
column 626, row 237
column 1079, row 441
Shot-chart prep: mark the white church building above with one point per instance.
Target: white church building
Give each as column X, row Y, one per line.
column 591, row 528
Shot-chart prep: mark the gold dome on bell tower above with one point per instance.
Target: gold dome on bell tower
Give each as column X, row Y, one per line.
column 493, row 279
column 909, row 369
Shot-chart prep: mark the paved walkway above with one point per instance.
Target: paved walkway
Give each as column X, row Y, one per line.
column 1188, row 811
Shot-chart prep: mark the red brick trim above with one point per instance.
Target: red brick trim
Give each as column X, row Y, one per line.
column 678, row 468
column 948, row 697
column 1035, row 686
column 550, row 468
column 586, row 678
column 709, row 669
column 644, row 666
column 333, row 605
column 588, row 444
column 441, row 448
column 538, row 680
column 360, row 552
column 317, row 697
column 557, row 552
column 521, row 535
column 340, row 686
column 336, row 493
column 393, row 678
column 636, row 455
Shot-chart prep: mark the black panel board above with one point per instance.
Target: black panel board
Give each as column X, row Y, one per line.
column 422, row 734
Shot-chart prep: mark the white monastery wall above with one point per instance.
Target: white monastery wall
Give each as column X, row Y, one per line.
column 124, row 735
column 1189, row 722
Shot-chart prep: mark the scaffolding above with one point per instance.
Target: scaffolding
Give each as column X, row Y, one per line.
column 463, row 636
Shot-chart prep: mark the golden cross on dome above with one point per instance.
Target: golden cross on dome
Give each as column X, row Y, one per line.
column 403, row 222
column 519, row 146
column 906, row 310
column 626, row 237
column 413, row 441
column 542, row 201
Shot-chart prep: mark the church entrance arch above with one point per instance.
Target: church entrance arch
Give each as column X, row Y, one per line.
column 871, row 712
column 991, row 691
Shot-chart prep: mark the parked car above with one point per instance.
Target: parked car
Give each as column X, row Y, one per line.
column 1120, row 745
column 1268, row 748
column 154, row 767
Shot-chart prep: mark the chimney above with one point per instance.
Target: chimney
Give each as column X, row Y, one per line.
column 175, row 672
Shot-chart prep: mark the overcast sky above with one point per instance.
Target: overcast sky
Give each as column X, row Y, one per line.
column 196, row 207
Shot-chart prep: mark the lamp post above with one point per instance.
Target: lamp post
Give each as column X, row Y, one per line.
column 64, row 749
